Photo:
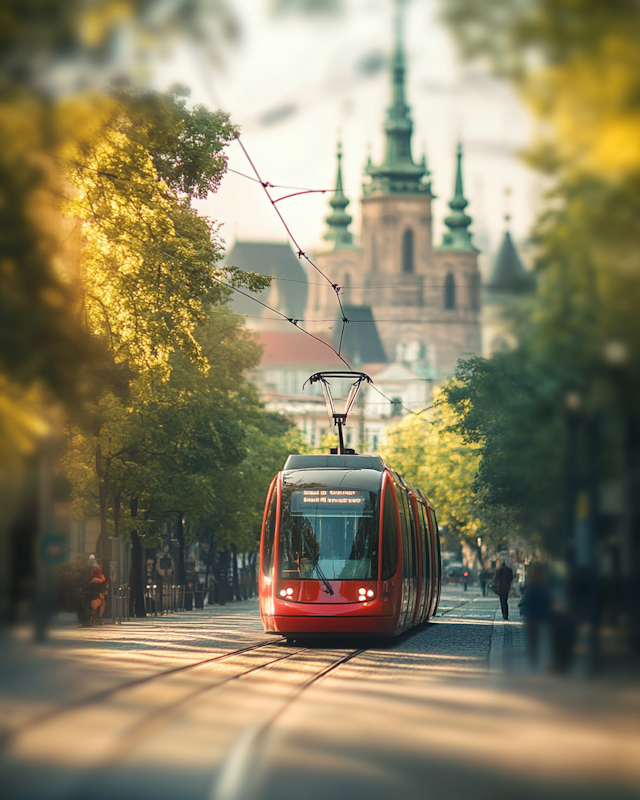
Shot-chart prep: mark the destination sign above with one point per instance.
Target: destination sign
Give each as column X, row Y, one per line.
column 338, row 499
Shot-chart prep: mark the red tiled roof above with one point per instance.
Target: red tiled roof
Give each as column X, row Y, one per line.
column 296, row 349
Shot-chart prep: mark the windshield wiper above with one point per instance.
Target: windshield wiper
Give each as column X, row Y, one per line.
column 317, row 567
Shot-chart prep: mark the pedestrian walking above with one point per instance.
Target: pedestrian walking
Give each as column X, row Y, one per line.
column 535, row 607
column 484, row 577
column 503, row 581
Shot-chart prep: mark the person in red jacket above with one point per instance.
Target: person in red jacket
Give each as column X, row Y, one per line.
column 503, row 581
column 96, row 591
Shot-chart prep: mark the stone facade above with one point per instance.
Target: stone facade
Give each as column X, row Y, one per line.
column 425, row 299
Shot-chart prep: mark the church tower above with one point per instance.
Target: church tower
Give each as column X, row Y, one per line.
column 422, row 304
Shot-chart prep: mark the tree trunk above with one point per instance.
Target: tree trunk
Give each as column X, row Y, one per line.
column 180, row 537
column 136, row 584
column 208, row 587
column 102, row 546
column 234, row 566
column 222, row 577
column 253, row 557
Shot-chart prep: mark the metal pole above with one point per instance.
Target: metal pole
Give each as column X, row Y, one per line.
column 339, row 423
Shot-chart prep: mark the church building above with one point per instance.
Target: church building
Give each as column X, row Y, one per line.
column 419, row 299
column 410, row 307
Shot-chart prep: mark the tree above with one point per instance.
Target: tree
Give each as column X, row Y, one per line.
column 150, row 279
column 55, row 60
column 557, row 418
column 435, row 457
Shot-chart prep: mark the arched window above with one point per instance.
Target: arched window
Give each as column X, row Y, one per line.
column 407, row 251
column 449, row 291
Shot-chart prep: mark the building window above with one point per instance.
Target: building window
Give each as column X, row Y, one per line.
column 374, row 255
column 407, row 251
column 396, row 406
column 449, row 292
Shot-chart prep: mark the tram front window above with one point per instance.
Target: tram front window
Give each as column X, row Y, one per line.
column 329, row 534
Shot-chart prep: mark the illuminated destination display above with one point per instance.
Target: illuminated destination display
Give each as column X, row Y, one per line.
column 339, row 497
column 303, row 498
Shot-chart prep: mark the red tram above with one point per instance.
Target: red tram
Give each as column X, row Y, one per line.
column 348, row 547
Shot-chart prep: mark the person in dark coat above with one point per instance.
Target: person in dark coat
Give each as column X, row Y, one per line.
column 503, row 581
column 535, row 607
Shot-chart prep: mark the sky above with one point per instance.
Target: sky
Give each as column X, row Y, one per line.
column 295, row 83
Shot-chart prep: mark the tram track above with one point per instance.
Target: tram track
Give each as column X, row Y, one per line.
column 105, row 694
column 138, row 713
column 235, row 780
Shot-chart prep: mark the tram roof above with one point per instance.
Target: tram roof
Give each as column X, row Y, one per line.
column 354, row 462
column 326, row 461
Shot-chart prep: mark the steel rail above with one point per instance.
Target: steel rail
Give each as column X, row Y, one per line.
column 239, row 777
column 105, row 693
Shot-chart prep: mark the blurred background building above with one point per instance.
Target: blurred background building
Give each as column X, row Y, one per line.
column 412, row 304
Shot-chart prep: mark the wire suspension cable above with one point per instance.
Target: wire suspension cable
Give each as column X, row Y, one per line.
column 293, row 321
column 300, row 251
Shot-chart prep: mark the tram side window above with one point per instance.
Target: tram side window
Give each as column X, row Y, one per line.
column 424, row 530
column 414, row 539
column 269, row 536
column 406, row 533
column 389, row 536
column 436, row 538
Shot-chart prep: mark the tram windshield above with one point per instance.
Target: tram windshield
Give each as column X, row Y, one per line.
column 329, row 534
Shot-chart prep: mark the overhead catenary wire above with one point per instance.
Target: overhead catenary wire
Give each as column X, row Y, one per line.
column 300, row 252
column 351, row 321
column 365, row 286
column 295, row 322
column 292, row 320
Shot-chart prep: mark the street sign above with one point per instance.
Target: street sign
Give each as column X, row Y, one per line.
column 54, row 549
column 165, row 564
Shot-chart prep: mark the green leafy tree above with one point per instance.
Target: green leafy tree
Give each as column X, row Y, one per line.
column 425, row 449
column 150, row 280
column 575, row 64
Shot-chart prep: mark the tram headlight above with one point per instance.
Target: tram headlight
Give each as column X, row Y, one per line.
column 362, row 593
column 370, row 592
column 289, row 592
column 283, row 593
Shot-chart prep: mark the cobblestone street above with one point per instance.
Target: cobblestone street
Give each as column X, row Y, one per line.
column 204, row 705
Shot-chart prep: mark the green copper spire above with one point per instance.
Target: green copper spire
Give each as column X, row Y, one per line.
column 338, row 220
column 458, row 236
column 397, row 173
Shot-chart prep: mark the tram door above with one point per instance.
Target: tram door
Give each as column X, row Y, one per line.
column 437, row 559
column 408, row 558
column 427, row 563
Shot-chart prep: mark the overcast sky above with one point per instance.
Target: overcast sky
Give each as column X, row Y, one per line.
column 295, row 82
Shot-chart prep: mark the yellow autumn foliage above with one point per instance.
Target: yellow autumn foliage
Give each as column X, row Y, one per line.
column 439, row 463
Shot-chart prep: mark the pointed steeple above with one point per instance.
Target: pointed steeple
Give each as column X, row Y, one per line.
column 397, row 173
column 509, row 276
column 338, row 220
column 458, row 236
